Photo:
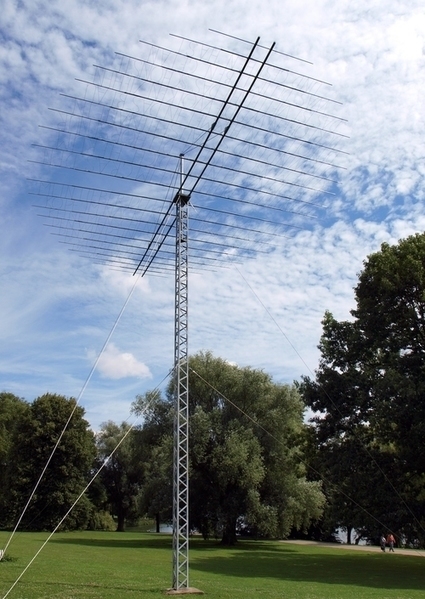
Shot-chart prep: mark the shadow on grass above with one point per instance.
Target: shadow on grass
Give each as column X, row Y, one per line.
column 371, row 570
column 118, row 542
column 272, row 560
column 30, row 586
column 158, row 541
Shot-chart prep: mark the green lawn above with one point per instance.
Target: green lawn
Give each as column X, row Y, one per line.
column 133, row 565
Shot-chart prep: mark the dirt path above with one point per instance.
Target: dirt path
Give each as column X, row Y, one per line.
column 370, row 548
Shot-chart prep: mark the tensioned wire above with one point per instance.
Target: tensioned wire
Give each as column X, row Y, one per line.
column 279, row 441
column 154, row 394
column 83, row 388
column 228, row 400
column 387, row 479
column 105, row 461
column 77, row 402
column 143, row 411
column 78, row 399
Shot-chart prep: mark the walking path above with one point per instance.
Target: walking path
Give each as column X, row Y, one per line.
column 370, row 548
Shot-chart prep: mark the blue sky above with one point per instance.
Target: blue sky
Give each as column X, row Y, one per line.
column 58, row 308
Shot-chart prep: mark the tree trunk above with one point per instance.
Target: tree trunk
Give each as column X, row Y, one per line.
column 158, row 523
column 229, row 534
column 120, row 522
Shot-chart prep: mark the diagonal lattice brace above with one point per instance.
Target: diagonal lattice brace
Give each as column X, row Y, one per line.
column 181, row 427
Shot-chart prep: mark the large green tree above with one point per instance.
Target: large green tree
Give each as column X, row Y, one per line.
column 154, row 451
column 246, row 447
column 37, row 432
column 121, row 475
column 369, row 394
column 12, row 410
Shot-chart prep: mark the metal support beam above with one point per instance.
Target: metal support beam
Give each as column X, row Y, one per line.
column 181, row 418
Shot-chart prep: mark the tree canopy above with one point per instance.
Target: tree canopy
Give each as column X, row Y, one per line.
column 247, row 442
column 246, row 446
column 35, row 434
column 369, row 396
column 121, row 475
column 12, row 410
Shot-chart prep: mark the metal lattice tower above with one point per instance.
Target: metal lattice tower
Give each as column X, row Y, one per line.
column 261, row 145
column 181, row 403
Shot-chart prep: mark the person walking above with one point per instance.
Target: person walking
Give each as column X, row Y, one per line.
column 391, row 541
column 383, row 542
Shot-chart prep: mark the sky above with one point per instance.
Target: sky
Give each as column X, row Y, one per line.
column 60, row 311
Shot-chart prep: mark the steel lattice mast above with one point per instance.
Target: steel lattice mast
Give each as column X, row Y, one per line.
column 181, row 405
column 114, row 156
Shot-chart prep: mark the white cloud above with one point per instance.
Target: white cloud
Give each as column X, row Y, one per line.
column 56, row 304
column 114, row 364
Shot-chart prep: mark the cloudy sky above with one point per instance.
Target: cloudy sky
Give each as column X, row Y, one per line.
column 58, row 309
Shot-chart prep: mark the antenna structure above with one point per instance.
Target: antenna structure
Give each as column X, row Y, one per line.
column 181, row 391
column 262, row 153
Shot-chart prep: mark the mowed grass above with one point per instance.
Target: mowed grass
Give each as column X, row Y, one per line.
column 129, row 565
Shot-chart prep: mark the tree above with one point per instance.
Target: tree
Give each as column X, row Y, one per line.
column 37, row 433
column 121, row 476
column 246, row 444
column 369, row 394
column 154, row 451
column 391, row 310
column 12, row 410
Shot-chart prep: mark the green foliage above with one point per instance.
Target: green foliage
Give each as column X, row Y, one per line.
column 370, row 393
column 101, row 520
column 153, row 443
column 36, row 434
column 121, row 474
column 246, row 440
column 12, row 409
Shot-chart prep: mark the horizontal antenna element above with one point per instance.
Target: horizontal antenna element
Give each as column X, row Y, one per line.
column 262, row 146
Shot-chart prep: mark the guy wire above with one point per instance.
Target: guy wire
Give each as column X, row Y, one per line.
column 105, row 461
column 93, row 368
column 387, row 479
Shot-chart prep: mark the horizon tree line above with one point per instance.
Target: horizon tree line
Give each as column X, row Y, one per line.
column 256, row 466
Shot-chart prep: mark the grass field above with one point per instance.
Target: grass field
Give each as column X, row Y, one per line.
column 129, row 565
